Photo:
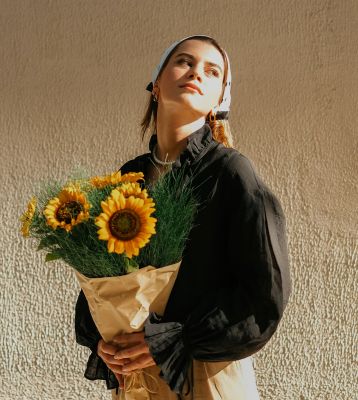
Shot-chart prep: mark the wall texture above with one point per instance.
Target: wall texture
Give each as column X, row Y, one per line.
column 72, row 82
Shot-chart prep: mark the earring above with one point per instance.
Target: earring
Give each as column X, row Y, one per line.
column 212, row 116
column 155, row 94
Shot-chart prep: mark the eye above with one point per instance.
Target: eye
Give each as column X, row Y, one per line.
column 216, row 72
column 183, row 59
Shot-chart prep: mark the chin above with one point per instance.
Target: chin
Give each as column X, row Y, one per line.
column 186, row 103
column 193, row 105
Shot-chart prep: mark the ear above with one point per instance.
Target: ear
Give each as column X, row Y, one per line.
column 157, row 82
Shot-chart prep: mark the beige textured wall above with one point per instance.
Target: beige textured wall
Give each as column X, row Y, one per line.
column 72, row 81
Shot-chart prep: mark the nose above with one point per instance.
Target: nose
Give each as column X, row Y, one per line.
column 194, row 72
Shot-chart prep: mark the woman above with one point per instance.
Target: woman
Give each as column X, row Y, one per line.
column 233, row 284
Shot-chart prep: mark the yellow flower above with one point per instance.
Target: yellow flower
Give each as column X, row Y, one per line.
column 68, row 209
column 132, row 189
column 132, row 177
column 126, row 222
column 27, row 216
column 115, row 178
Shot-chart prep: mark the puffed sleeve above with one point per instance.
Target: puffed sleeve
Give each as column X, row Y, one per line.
column 87, row 335
column 86, row 332
column 235, row 321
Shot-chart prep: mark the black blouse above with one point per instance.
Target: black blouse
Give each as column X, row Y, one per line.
column 234, row 281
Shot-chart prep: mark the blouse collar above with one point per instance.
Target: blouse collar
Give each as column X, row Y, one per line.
column 197, row 141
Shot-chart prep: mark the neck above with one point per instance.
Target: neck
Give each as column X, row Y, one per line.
column 172, row 132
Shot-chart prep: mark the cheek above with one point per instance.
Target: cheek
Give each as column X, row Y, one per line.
column 213, row 88
column 216, row 90
column 213, row 93
column 173, row 76
column 170, row 81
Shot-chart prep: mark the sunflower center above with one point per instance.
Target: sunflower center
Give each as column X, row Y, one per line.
column 124, row 224
column 69, row 210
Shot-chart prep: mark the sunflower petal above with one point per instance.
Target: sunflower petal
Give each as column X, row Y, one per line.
column 101, row 223
column 105, row 207
column 119, row 247
column 122, row 201
column 103, row 234
column 110, row 245
column 112, row 206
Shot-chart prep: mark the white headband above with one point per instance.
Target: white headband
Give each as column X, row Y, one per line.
column 222, row 111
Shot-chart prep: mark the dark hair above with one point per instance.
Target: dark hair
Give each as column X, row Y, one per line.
column 220, row 128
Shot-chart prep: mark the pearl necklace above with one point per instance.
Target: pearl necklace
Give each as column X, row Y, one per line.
column 156, row 159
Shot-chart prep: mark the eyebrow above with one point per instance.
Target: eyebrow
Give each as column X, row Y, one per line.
column 209, row 62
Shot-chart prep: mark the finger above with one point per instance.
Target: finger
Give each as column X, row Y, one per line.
column 129, row 337
column 107, row 358
column 142, row 361
column 108, row 348
column 116, row 369
column 150, row 362
column 132, row 351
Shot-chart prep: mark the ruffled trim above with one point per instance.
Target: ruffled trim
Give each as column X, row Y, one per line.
column 97, row 369
column 174, row 345
column 167, row 345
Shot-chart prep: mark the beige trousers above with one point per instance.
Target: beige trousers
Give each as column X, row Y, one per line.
column 227, row 380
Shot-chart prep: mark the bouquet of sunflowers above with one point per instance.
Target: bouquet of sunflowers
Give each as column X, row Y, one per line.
column 124, row 242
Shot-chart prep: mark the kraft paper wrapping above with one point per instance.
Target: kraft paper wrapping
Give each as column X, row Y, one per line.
column 121, row 304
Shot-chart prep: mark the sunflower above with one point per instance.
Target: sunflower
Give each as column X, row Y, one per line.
column 115, row 178
column 68, row 209
column 132, row 189
column 132, row 177
column 126, row 222
column 27, row 216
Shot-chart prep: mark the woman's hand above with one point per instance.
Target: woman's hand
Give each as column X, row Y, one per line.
column 106, row 352
column 134, row 347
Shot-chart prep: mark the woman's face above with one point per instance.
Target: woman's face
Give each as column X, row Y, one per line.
column 203, row 66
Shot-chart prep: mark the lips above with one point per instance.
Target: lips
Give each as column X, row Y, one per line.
column 191, row 85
